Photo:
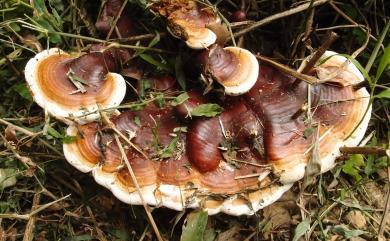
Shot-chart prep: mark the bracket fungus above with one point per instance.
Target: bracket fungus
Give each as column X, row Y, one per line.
column 237, row 162
column 190, row 21
column 236, row 69
column 74, row 87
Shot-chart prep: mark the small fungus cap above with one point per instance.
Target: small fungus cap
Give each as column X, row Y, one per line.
column 236, row 69
column 73, row 88
column 189, row 21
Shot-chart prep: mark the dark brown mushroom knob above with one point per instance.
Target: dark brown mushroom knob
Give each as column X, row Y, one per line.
column 236, row 69
column 125, row 25
column 74, row 87
column 189, row 21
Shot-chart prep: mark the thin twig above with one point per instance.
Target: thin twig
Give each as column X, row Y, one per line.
column 133, row 177
column 269, row 19
column 23, row 130
column 387, row 207
column 134, row 180
column 330, row 38
column 28, row 232
column 141, row 37
column 35, row 211
column 362, row 27
column 99, row 232
column 116, row 19
column 307, row 78
column 365, row 150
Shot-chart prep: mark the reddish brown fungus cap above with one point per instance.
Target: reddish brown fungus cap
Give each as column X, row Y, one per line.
column 70, row 88
column 189, row 21
column 236, row 69
column 237, row 162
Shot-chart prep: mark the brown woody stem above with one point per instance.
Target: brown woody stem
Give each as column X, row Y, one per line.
column 307, row 78
column 330, row 38
column 366, row 150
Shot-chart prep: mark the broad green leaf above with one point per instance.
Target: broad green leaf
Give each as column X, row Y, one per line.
column 170, row 149
column 383, row 94
column 148, row 58
column 7, row 177
column 209, row 234
column 352, row 166
column 54, row 133
column 23, row 91
column 347, row 233
column 195, row 226
column 207, row 110
column 43, row 23
column 180, row 99
column 39, row 7
column 384, row 62
column 69, row 139
column 301, row 229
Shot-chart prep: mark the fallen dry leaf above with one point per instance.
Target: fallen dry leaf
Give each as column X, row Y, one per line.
column 356, row 219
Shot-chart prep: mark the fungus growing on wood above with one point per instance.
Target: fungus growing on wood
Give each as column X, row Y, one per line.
column 74, row 87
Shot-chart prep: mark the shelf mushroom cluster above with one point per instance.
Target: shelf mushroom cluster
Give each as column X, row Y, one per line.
column 237, row 162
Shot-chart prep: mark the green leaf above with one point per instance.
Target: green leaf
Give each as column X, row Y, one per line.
column 148, row 58
column 160, row 100
column 170, row 149
column 301, row 229
column 207, row 110
column 7, row 177
column 383, row 94
column 353, row 205
column 43, row 23
column 179, row 72
column 195, row 226
column 69, row 139
column 384, row 62
column 209, row 234
column 137, row 120
column 40, row 7
column 308, row 132
column 347, row 233
column 180, row 99
column 54, row 133
column 23, row 91
column 352, row 166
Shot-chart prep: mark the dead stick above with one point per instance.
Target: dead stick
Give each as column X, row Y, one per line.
column 28, row 232
column 330, row 38
column 132, row 175
column 307, row 78
column 269, row 19
column 140, row 37
column 366, row 150
column 116, row 20
column 382, row 226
